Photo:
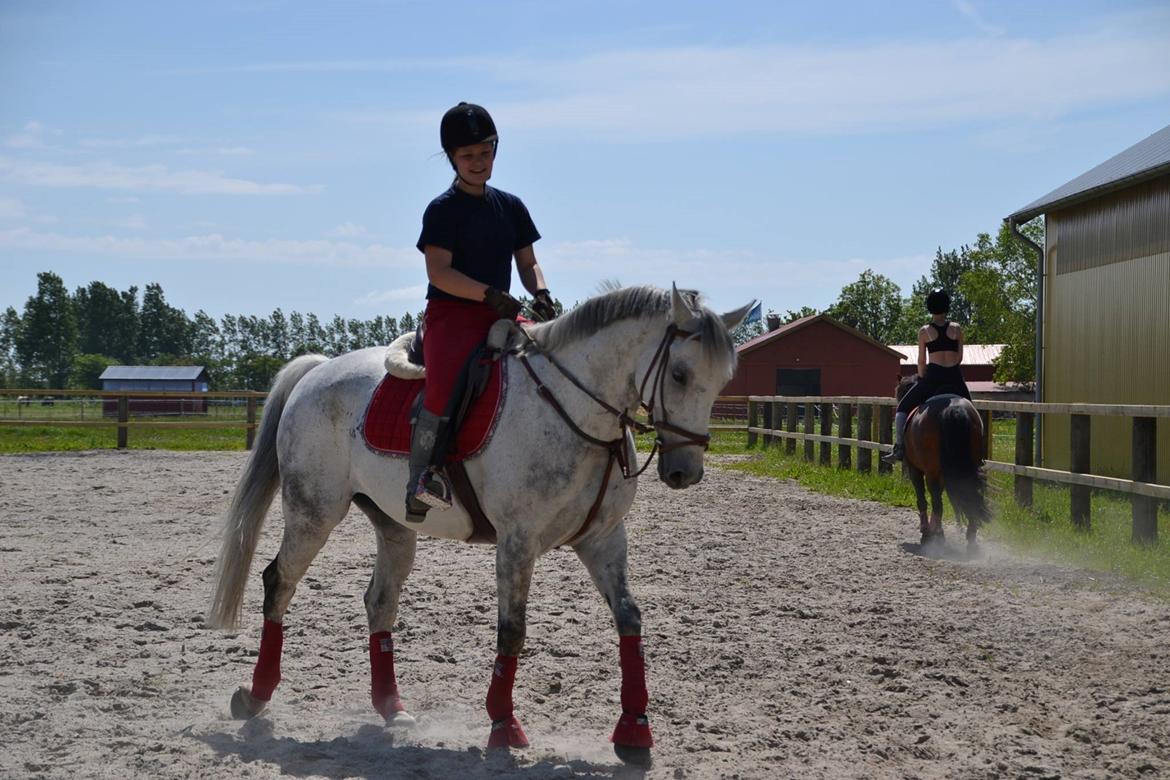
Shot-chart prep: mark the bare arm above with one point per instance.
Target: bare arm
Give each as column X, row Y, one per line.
column 530, row 274
column 921, row 353
column 442, row 275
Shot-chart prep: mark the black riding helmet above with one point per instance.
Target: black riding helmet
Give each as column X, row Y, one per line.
column 938, row 302
column 464, row 125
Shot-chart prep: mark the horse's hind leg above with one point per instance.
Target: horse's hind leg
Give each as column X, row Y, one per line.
column 396, row 547
column 605, row 558
column 936, row 508
column 919, row 482
column 306, row 529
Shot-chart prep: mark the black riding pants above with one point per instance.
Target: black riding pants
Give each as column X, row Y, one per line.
column 938, row 380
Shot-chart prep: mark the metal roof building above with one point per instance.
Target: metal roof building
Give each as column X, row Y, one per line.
column 153, row 379
column 1103, row 328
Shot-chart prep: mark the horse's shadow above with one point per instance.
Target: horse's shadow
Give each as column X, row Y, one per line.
column 375, row 752
column 944, row 551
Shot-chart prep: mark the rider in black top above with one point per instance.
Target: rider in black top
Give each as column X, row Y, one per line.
column 940, row 351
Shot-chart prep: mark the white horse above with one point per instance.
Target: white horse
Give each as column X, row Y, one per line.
column 545, row 478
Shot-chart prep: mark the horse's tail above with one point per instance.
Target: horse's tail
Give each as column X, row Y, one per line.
column 963, row 476
column 251, row 499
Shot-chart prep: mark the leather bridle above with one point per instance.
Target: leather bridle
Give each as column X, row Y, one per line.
column 659, row 365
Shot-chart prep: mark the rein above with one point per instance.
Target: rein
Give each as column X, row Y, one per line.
column 627, row 425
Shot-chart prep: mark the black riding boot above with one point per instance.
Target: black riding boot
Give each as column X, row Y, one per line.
column 427, row 486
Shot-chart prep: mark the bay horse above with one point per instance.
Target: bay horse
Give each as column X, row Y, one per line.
column 944, row 451
column 543, row 480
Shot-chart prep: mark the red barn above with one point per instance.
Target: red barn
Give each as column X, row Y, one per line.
column 814, row 356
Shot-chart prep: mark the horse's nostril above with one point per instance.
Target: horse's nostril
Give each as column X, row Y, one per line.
column 676, row 479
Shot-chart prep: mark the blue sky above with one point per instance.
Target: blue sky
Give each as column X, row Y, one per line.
column 265, row 154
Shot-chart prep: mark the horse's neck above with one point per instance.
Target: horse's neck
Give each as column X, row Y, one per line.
column 606, row 362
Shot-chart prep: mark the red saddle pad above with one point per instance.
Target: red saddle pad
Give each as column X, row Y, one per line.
column 386, row 427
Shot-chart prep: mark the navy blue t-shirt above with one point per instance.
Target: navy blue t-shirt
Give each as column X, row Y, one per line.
column 482, row 233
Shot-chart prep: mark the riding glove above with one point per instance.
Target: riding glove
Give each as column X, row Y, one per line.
column 543, row 309
column 505, row 305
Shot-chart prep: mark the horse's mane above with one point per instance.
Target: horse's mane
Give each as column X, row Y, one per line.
column 633, row 302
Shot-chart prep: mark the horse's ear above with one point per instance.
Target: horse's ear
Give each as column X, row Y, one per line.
column 680, row 311
column 733, row 319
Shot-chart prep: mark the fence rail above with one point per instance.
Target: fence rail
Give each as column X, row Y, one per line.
column 118, row 413
column 773, row 419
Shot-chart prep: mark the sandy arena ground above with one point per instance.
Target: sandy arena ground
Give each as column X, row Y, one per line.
column 788, row 635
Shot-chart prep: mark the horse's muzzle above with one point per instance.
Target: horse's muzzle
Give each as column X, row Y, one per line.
column 680, row 472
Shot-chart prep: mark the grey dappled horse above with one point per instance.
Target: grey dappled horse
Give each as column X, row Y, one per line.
column 550, row 475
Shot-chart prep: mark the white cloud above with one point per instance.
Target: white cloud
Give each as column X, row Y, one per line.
column 216, row 247
column 139, row 142
column 349, row 230
column 148, row 177
column 968, row 9
column 12, row 208
column 695, row 91
column 375, row 298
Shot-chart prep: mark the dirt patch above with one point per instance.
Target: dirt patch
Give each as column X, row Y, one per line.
column 788, row 634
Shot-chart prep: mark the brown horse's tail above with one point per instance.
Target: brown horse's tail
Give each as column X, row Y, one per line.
column 963, row 476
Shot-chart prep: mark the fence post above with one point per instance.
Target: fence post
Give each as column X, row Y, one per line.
column 1145, row 469
column 864, row 433
column 123, row 418
column 790, row 426
column 1025, row 422
column 885, row 434
column 845, row 431
column 769, row 419
column 809, row 444
column 826, row 430
column 251, row 419
column 985, row 415
column 753, row 414
column 1079, row 495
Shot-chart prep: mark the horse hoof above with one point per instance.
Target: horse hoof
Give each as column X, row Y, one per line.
column 245, row 706
column 507, row 733
column 634, row 756
column 401, row 720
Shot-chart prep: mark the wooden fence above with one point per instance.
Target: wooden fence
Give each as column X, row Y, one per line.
column 774, row 419
column 36, row 401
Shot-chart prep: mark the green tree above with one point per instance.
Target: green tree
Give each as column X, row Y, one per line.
column 872, row 304
column 107, row 321
column 47, row 339
column 87, row 371
column 798, row 314
column 256, row 372
column 9, row 334
column 164, row 329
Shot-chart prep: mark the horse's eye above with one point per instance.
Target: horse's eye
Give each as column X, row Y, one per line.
column 679, row 375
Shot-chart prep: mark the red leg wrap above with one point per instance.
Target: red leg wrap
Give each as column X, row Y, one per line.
column 383, row 684
column 267, row 672
column 633, row 728
column 507, row 734
column 499, row 698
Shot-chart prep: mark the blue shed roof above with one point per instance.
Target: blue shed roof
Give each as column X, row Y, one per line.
column 161, row 373
column 1141, row 162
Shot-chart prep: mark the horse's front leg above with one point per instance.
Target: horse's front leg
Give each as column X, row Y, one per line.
column 605, row 558
column 514, row 565
column 396, row 547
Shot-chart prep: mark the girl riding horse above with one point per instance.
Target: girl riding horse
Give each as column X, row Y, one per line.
column 940, row 351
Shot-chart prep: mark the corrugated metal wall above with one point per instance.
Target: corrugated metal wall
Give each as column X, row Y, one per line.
column 1107, row 320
